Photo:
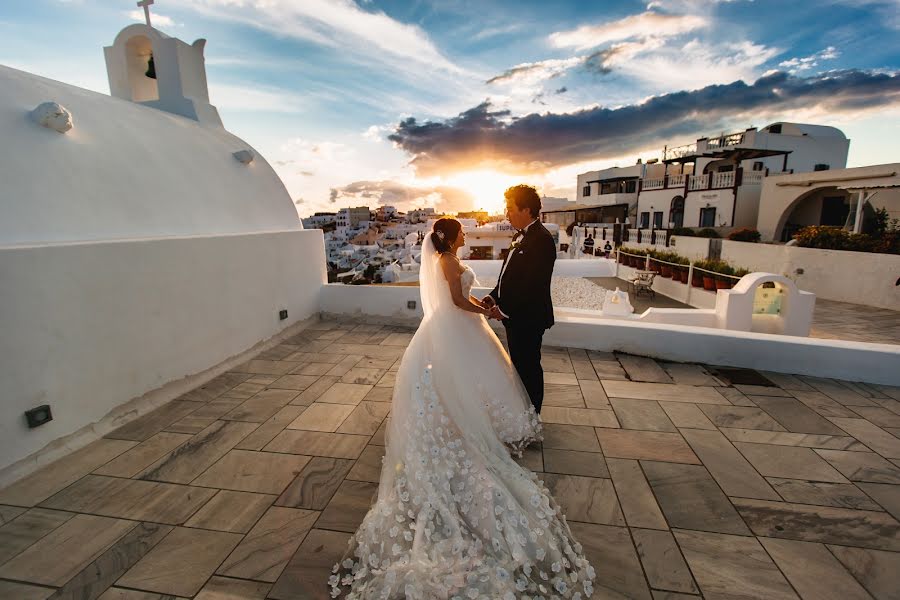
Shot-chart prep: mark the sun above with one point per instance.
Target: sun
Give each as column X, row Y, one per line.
column 486, row 187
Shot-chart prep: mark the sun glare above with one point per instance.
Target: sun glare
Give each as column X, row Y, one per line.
column 486, row 187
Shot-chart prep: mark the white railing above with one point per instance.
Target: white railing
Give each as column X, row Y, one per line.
column 752, row 178
column 723, row 180
column 732, row 139
column 680, row 151
column 653, row 184
column 677, row 180
column 698, row 182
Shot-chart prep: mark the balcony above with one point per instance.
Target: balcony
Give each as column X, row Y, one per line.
column 698, row 182
column 653, row 184
column 723, row 180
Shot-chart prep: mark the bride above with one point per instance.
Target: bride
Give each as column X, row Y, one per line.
column 456, row 517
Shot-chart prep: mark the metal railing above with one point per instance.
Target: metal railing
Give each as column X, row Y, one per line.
column 723, row 141
column 680, row 151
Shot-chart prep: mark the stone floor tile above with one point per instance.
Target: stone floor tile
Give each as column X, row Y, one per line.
column 314, row 486
column 246, row 390
column 313, row 369
column 262, row 406
column 365, row 350
column 636, row 498
column 368, row 466
column 662, row 392
column 362, row 375
column 366, row 418
column 727, row 466
column 231, row 511
column 782, row 438
column 864, row 528
column 579, row 416
column 584, row 370
column 730, row 566
column 813, row 571
column 789, row 462
column 649, row 445
column 641, row 414
column 570, row 437
column 822, row 404
column 871, row 435
column 888, row 496
column 8, row 513
column 785, row 381
column 249, row 471
column 155, row 421
column 594, row 394
column 131, row 499
column 796, row 416
column 375, row 363
column 21, row 591
column 556, row 363
column 735, row 397
column 181, row 563
column 570, row 462
column 879, row 416
column 266, row 367
column 266, row 550
column 690, row 499
column 43, row 483
column 294, row 382
column 65, row 551
column 838, row 392
column 761, row 390
column 348, row 506
column 320, row 416
column 138, row 458
column 199, row 453
column 586, row 499
column 397, row 339
column 878, row 571
column 318, row 443
column 741, row 417
column 609, row 369
column 660, row 595
column 611, row 552
column 640, row 368
column 387, row 380
column 266, row 432
column 345, row 393
column 862, row 466
column 380, row 394
column 190, row 424
column 315, row 391
column 556, row 378
column 686, row 374
column 223, row 588
column 684, row 415
column 100, row 574
column 663, row 562
column 563, row 395
column 306, row 575
column 28, row 528
column 841, row 495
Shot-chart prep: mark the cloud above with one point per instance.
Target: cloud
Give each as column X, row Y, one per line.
column 641, row 26
column 482, row 137
column 243, row 98
column 537, row 71
column 807, row 62
column 405, row 197
column 157, row 19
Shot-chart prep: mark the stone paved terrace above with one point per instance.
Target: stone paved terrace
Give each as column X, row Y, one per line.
column 681, row 481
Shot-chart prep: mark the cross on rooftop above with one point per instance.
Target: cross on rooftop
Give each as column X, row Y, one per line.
column 145, row 4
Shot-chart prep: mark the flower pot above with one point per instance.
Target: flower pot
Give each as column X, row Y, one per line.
column 723, row 284
column 697, row 280
column 682, row 275
column 665, row 271
column 709, row 283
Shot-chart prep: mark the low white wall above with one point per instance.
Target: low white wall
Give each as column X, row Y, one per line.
column 857, row 277
column 693, row 248
column 693, row 296
column 589, row 267
column 88, row 327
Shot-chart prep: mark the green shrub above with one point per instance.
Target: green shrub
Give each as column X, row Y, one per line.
column 708, row 232
column 684, row 232
column 835, row 238
column 744, row 235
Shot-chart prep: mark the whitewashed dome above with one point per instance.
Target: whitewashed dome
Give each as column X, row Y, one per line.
column 124, row 171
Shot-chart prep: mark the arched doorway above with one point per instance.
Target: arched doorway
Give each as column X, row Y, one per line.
column 676, row 211
column 821, row 206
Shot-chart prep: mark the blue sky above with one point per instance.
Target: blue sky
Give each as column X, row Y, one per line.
column 477, row 95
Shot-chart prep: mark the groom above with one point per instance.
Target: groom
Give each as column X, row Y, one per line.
column 522, row 296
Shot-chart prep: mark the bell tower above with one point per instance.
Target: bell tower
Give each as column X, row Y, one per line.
column 146, row 66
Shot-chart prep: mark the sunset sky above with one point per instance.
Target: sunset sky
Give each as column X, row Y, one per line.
column 446, row 102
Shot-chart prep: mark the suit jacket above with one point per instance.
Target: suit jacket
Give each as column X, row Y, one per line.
column 525, row 291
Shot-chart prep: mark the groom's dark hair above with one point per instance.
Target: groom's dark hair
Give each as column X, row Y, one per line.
column 524, row 196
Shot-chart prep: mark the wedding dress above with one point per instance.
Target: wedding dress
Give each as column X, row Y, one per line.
column 456, row 517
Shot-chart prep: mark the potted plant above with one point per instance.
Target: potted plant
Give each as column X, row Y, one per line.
column 653, row 265
column 697, row 277
column 708, row 273
column 724, row 282
column 682, row 271
column 665, row 269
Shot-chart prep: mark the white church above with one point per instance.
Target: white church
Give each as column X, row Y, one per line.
column 141, row 244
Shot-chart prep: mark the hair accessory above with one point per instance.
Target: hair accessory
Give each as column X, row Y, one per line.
column 440, row 235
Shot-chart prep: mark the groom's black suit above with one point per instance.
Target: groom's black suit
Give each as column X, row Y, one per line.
column 523, row 294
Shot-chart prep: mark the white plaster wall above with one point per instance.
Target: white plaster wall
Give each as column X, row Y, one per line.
column 489, row 270
column 694, row 248
column 722, row 200
column 856, row 277
column 89, row 326
column 124, row 171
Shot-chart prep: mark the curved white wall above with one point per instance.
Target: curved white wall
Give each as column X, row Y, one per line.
column 124, row 171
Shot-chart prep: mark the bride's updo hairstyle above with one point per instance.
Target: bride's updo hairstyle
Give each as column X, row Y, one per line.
column 444, row 233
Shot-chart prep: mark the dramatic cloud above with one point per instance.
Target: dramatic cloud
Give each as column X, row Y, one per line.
column 645, row 25
column 481, row 137
column 808, row 62
column 537, row 71
column 404, row 197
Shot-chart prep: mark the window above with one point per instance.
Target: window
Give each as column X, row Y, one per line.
column 758, row 165
column 608, row 188
column 657, row 220
column 630, row 186
column 708, row 217
column 821, row 167
column 645, row 220
column 775, row 128
column 586, row 191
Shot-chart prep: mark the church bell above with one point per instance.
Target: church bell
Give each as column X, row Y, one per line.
column 151, row 68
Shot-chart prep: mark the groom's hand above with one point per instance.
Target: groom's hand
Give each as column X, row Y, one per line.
column 495, row 313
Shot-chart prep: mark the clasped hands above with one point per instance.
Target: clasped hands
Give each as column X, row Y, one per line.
column 493, row 310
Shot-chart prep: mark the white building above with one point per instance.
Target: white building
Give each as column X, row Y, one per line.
column 353, row 217
column 615, row 190
column 420, row 215
column 386, row 213
column 320, row 220
column 551, row 203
